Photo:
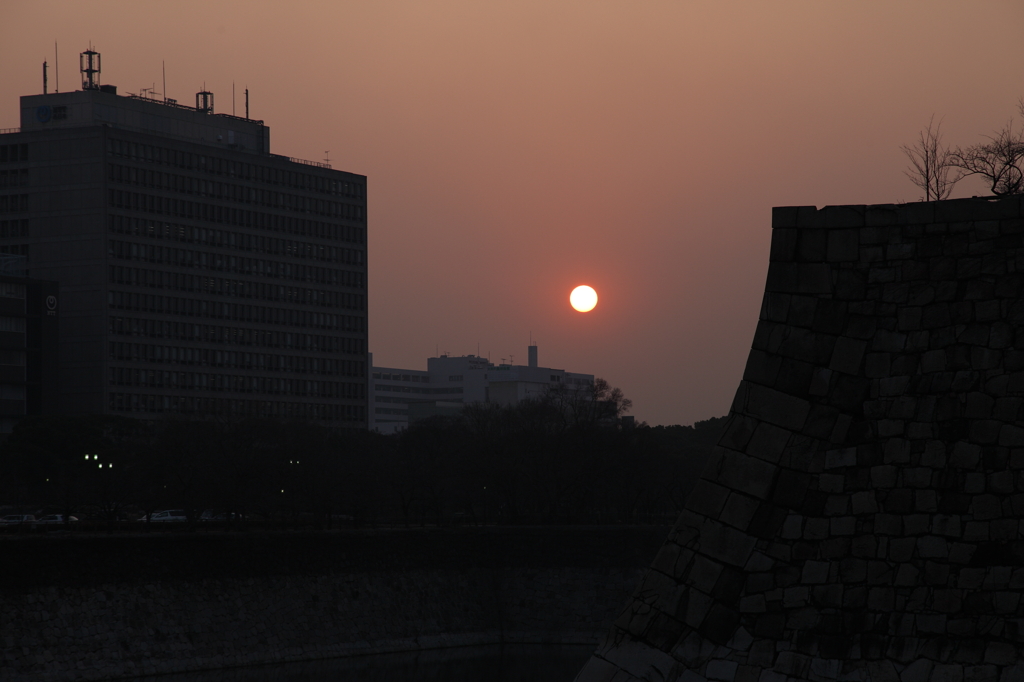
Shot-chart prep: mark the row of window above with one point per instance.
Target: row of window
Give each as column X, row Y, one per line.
column 214, row 165
column 13, row 228
column 209, row 333
column 247, row 241
column 226, row 191
column 13, row 203
column 190, row 307
column 215, row 213
column 11, row 153
column 14, row 178
column 177, row 281
column 204, row 260
column 390, row 410
column 175, row 355
column 233, row 383
column 12, row 290
column 12, row 324
column 415, row 389
column 402, row 377
column 15, row 249
column 135, row 402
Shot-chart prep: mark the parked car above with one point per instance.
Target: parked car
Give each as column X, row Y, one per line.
column 54, row 519
column 168, row 516
column 212, row 515
column 18, row 520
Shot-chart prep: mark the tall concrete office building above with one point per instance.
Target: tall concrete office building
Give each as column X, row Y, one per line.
column 199, row 273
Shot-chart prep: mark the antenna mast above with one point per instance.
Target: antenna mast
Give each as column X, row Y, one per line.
column 56, row 66
column 163, row 67
column 89, row 65
column 44, row 76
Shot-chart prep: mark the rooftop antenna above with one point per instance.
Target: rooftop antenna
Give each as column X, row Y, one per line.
column 511, row 359
column 327, row 157
column 89, row 65
column 56, row 66
column 247, row 102
column 232, row 98
column 44, row 76
column 204, row 100
column 163, row 67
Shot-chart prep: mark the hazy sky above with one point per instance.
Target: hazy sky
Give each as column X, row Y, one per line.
column 517, row 149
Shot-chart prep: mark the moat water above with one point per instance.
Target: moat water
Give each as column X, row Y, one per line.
column 508, row 663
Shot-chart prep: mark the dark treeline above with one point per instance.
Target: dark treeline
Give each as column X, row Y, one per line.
column 530, row 463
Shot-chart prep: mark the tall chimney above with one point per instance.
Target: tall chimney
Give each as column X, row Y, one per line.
column 533, row 355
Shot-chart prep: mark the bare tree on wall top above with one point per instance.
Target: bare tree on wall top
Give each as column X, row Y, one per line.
column 1000, row 160
column 930, row 163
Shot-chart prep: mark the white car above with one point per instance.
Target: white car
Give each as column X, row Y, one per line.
column 18, row 520
column 168, row 516
column 54, row 519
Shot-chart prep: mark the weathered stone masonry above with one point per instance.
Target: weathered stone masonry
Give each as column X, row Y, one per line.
column 861, row 518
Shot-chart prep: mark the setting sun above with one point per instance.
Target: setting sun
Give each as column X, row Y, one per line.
column 583, row 298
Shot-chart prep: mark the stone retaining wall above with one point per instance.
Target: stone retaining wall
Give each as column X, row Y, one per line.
column 862, row 517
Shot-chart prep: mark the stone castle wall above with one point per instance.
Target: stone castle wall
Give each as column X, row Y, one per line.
column 861, row 518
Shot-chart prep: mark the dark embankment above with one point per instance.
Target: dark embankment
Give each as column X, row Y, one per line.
column 105, row 607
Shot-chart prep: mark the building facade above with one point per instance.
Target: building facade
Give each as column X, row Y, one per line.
column 401, row 396
column 28, row 345
column 200, row 274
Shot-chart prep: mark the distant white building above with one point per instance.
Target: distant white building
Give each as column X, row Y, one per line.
column 398, row 396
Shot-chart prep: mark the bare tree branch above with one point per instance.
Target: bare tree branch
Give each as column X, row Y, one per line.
column 930, row 163
column 1000, row 161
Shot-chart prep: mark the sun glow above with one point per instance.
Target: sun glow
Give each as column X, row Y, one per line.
column 583, row 298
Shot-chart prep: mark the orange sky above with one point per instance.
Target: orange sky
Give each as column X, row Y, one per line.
column 515, row 150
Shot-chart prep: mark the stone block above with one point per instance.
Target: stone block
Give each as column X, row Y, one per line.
column 738, row 471
column 947, row 525
column 843, row 525
column 948, row 672
column 932, row 547
column 811, row 246
column 985, row 507
column 884, row 476
column 721, row 670
column 726, row 544
column 780, row 409
column 815, row 572
column 786, row 217
column 847, row 355
column 762, row 368
column 1000, row 653
column 965, row 455
column 707, row 498
column 754, row 603
column 918, row 671
column 720, row 624
column 739, row 510
column 767, row 442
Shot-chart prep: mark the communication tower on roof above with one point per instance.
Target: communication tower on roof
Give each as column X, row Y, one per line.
column 89, row 65
column 204, row 101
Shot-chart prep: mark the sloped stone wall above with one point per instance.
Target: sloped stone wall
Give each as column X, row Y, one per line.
column 861, row 518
